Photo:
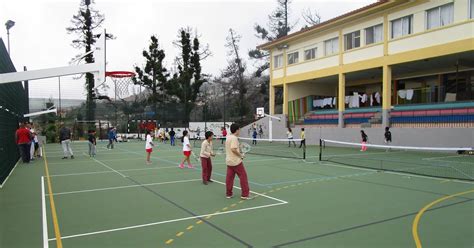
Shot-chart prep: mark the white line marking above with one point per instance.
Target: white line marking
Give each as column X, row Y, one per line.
column 11, row 172
column 123, row 187
column 166, row 221
column 266, row 196
column 43, row 212
column 110, row 168
column 102, row 172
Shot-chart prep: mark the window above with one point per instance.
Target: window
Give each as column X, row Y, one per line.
column 440, row 16
column 374, row 34
column 352, row 40
column 310, row 53
column 293, row 58
column 331, row 46
column 278, row 61
column 402, row 26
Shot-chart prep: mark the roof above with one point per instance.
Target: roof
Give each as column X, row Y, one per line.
column 321, row 25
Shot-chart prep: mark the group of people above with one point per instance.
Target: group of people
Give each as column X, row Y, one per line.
column 289, row 135
column 365, row 138
column 28, row 143
column 234, row 158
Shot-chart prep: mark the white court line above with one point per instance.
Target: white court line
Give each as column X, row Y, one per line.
column 122, row 187
column 9, row 174
column 166, row 221
column 43, row 212
column 108, row 167
column 103, row 172
column 253, row 192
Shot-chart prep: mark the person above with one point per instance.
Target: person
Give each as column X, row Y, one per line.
column 205, row 155
column 198, row 133
column 235, row 164
column 23, row 139
column 172, row 134
column 303, row 138
column 388, row 137
column 186, row 150
column 254, row 136
column 260, row 131
column 112, row 138
column 364, row 140
column 149, row 146
column 224, row 134
column 92, row 143
column 65, row 139
column 32, row 143
column 289, row 134
column 35, row 140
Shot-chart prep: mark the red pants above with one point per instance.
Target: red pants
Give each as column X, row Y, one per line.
column 229, row 179
column 206, row 169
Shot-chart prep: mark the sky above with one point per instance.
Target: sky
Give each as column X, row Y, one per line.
column 39, row 39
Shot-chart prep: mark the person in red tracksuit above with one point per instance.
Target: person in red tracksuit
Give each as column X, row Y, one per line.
column 234, row 164
column 206, row 154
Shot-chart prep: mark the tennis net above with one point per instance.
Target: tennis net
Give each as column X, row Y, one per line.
column 448, row 162
column 283, row 148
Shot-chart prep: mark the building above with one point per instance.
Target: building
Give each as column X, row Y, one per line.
column 400, row 63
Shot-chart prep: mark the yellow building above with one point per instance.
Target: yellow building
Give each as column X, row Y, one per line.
column 388, row 61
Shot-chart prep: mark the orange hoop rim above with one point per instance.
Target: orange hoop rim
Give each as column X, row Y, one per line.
column 120, row 74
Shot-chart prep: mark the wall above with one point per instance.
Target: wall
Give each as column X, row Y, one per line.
column 297, row 91
column 426, row 137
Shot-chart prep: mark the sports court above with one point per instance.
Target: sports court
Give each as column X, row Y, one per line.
column 115, row 200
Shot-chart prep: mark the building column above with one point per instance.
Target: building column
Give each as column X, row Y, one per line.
column 272, row 100
column 386, row 95
column 285, row 99
column 341, row 96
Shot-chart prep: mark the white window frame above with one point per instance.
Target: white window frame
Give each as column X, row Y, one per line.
column 277, row 61
column 295, row 59
column 439, row 16
column 334, row 49
column 373, row 33
column 352, row 36
column 308, row 50
column 410, row 31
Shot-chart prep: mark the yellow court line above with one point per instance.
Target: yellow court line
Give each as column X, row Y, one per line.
column 414, row 229
column 57, row 233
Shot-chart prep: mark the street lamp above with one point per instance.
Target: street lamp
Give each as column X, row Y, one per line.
column 9, row 24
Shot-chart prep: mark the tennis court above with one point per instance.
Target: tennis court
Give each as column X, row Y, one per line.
column 115, row 200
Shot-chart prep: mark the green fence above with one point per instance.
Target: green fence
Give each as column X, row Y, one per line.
column 13, row 104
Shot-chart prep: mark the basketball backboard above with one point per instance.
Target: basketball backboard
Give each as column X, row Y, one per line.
column 100, row 57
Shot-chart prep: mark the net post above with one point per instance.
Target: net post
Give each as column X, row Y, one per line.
column 320, row 149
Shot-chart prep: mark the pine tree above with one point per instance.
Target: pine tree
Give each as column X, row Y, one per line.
column 84, row 23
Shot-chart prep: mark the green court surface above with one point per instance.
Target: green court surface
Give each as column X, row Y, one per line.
column 116, row 200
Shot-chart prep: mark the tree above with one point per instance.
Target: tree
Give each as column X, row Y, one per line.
column 185, row 83
column 311, row 18
column 235, row 72
column 278, row 27
column 154, row 75
column 84, row 23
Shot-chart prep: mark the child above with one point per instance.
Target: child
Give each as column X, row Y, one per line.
column 254, row 136
column 206, row 153
column 186, row 150
column 289, row 133
column 224, row 134
column 388, row 137
column 364, row 140
column 148, row 146
column 92, row 143
column 303, row 138
column 235, row 165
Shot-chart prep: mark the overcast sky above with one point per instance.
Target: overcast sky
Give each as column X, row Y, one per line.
column 39, row 39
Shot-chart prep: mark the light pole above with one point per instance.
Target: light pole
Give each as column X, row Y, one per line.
column 9, row 24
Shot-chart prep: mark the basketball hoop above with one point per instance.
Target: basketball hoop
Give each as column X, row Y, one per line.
column 122, row 81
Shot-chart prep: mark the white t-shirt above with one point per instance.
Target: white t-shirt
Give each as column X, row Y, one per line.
column 185, row 144
column 289, row 134
column 148, row 140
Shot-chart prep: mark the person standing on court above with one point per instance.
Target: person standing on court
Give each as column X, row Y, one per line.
column 172, row 134
column 303, row 138
column 364, row 140
column 65, row 139
column 224, row 135
column 111, row 136
column 23, row 139
column 92, row 143
column 233, row 160
column 205, row 155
